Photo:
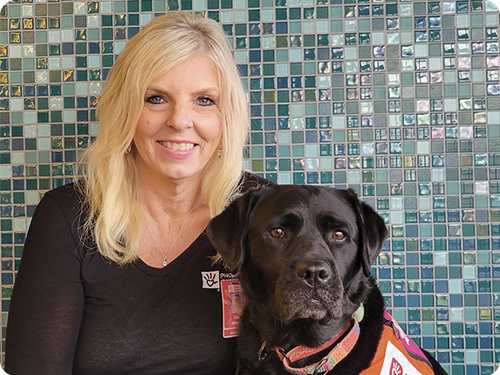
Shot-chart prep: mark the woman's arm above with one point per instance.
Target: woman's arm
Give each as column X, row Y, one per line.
column 47, row 300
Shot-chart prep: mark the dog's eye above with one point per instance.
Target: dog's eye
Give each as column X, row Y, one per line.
column 338, row 235
column 277, row 233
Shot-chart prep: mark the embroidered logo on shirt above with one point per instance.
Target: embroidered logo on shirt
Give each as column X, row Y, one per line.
column 210, row 279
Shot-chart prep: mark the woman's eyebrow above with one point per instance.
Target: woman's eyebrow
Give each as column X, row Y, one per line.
column 209, row 90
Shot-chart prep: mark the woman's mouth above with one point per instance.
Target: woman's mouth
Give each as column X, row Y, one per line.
column 177, row 146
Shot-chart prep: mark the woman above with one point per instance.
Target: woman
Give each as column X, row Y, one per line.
column 116, row 275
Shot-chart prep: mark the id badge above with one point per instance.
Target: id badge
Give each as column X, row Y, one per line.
column 233, row 302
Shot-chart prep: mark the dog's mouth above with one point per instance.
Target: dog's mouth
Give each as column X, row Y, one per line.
column 319, row 305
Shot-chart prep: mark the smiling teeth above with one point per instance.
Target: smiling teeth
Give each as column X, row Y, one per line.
column 178, row 146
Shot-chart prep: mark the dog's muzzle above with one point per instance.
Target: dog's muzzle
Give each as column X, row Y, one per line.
column 311, row 289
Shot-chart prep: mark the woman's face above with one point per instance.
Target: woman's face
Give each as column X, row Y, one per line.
column 180, row 126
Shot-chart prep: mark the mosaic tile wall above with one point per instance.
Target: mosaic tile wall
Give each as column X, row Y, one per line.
column 396, row 99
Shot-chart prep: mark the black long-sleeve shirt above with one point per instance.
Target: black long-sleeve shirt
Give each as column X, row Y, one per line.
column 73, row 312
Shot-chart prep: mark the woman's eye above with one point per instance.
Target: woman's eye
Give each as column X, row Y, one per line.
column 154, row 99
column 277, row 233
column 206, row 101
column 339, row 235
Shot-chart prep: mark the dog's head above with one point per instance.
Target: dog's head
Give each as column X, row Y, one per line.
column 302, row 252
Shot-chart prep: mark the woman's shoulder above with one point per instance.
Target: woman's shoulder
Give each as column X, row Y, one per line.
column 67, row 198
column 250, row 181
column 64, row 195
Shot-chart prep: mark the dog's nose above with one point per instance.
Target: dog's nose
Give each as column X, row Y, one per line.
column 313, row 272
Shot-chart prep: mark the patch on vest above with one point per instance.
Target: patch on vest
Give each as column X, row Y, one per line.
column 210, row 279
column 396, row 363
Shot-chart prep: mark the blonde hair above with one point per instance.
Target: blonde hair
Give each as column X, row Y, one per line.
column 109, row 184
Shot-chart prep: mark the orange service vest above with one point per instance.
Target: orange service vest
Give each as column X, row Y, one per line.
column 397, row 354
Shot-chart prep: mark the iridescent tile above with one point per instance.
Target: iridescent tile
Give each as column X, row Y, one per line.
column 491, row 33
column 450, row 48
column 378, row 51
column 120, row 33
column 377, row 10
column 352, row 94
column 28, row 24
column 437, row 133
column 56, row 143
column 421, row 78
column 423, row 105
column 324, row 67
column 79, row 7
column 393, row 79
column 93, row 7
column 81, row 34
column 364, row 38
column 392, row 24
column 493, row 89
column 57, row 170
column 420, row 23
column 54, row 23
column 29, row 104
column 337, row 53
column 434, row 22
column 420, row 36
column 478, row 104
column 480, row 118
column 337, row 67
column 363, row 10
column 477, row 48
column 254, row 29
column 83, row 142
column 492, row 76
column 463, row 34
column 493, row 62
column 436, row 77
column 15, row 38
column 354, row 163
column 324, row 95
column 351, row 79
column 350, row 38
column 366, row 121
column 407, row 50
column 340, row 163
column 481, row 187
column 465, row 104
column 69, row 169
column 295, row 41
column 464, row 62
column 309, row 13
column 394, row 92
column 15, row 24
column 463, row 76
column 42, row 63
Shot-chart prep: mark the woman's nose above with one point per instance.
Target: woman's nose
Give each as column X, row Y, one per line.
column 179, row 117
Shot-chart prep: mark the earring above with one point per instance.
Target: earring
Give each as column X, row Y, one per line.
column 129, row 149
column 219, row 151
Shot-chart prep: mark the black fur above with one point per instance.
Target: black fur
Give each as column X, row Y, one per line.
column 304, row 257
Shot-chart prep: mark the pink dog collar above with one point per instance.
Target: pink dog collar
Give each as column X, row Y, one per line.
column 338, row 353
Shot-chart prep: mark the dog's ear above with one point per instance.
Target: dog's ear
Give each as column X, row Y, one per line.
column 374, row 235
column 227, row 231
column 372, row 231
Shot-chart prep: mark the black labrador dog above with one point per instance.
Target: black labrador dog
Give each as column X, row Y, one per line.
column 303, row 255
